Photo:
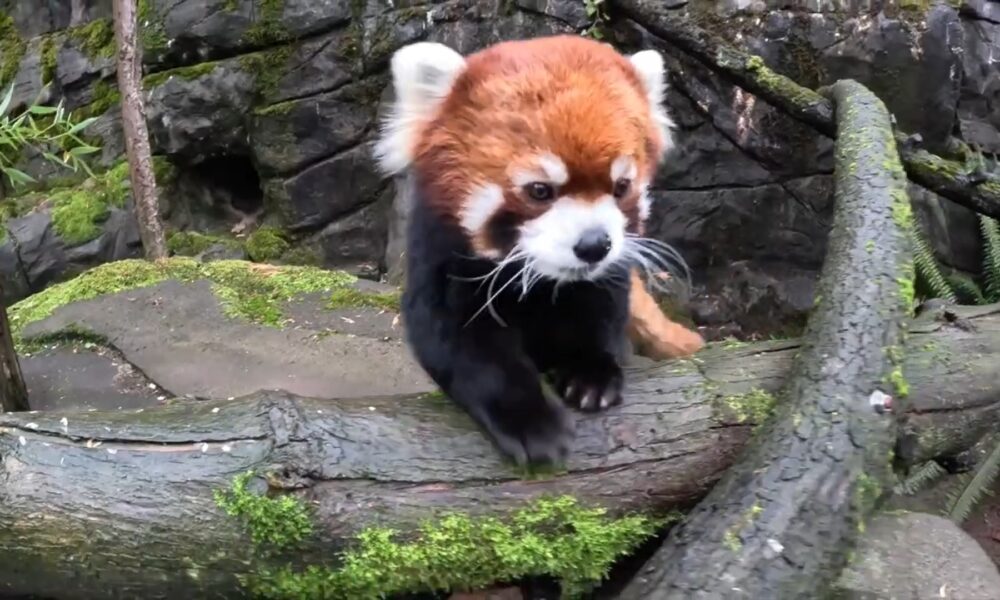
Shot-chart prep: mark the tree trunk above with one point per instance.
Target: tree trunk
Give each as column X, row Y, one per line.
column 780, row 522
column 13, row 392
column 977, row 191
column 120, row 504
column 136, row 135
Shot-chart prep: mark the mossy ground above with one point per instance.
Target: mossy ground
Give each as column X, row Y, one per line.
column 251, row 291
column 247, row 290
column 550, row 536
column 188, row 73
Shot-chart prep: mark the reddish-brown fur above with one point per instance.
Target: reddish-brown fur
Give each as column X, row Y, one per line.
column 574, row 97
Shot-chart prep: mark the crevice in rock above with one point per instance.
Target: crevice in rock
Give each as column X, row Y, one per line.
column 220, row 188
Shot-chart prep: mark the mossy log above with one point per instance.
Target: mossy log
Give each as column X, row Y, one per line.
column 978, row 191
column 781, row 521
column 120, row 504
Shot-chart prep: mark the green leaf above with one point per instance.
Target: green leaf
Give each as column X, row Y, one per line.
column 41, row 110
column 17, row 176
column 82, row 150
column 81, row 125
column 6, row 100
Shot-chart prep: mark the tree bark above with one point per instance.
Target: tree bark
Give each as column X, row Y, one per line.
column 137, row 148
column 13, row 392
column 780, row 522
column 119, row 504
column 977, row 191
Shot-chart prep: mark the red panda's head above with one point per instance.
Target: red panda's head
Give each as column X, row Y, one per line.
column 542, row 147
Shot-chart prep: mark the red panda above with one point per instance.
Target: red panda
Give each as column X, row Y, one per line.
column 531, row 161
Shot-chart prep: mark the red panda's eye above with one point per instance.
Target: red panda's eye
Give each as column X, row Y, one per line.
column 539, row 191
column 621, row 187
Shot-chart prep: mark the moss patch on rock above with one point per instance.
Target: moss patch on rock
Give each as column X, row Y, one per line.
column 755, row 405
column 549, row 537
column 50, row 52
column 268, row 29
column 78, row 211
column 105, row 95
column 188, row 73
column 266, row 244
column 12, row 49
column 192, row 243
column 246, row 290
column 96, row 39
column 152, row 33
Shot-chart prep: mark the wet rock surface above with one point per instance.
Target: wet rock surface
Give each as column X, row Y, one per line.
column 295, row 91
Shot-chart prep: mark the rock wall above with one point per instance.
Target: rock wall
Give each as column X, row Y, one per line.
column 266, row 110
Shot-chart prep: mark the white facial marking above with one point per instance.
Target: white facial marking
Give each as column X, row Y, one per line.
column 479, row 208
column 550, row 168
column 549, row 239
column 649, row 66
column 554, row 168
column 422, row 76
column 623, row 168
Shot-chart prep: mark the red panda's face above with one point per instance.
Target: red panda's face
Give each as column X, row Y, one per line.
column 539, row 149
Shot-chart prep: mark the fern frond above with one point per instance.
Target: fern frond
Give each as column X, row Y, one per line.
column 966, row 289
column 975, row 485
column 990, row 230
column 919, row 479
column 926, row 266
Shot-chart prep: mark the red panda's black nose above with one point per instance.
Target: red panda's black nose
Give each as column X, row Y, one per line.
column 592, row 246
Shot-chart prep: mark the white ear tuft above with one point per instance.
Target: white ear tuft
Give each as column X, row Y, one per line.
column 649, row 66
column 422, row 76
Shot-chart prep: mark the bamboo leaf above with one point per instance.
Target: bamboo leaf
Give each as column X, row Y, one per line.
column 6, row 100
column 16, row 176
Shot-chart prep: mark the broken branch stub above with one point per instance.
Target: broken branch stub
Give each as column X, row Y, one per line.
column 779, row 523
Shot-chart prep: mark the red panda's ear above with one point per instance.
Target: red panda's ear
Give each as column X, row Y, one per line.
column 422, row 76
column 648, row 65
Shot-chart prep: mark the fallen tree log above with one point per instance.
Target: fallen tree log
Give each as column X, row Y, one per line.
column 978, row 191
column 780, row 522
column 120, row 504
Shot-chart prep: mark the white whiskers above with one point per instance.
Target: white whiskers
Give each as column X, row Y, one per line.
column 654, row 258
column 528, row 275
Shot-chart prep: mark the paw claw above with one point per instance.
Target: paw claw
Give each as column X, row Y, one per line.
column 593, row 387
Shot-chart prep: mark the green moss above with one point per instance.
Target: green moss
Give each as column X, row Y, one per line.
column 778, row 84
column 246, row 290
column 50, row 52
column 303, row 255
column 12, row 49
column 907, row 292
column 353, row 298
column 152, row 32
column 281, row 108
column 277, row 522
column 898, row 382
column 268, row 29
column 755, row 405
column 78, row 211
column 266, row 244
column 267, row 68
column 96, row 39
column 104, row 279
column 551, row 536
column 192, row 243
column 105, row 96
column 188, row 73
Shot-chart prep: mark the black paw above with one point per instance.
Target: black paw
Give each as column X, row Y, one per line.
column 591, row 387
column 537, row 434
